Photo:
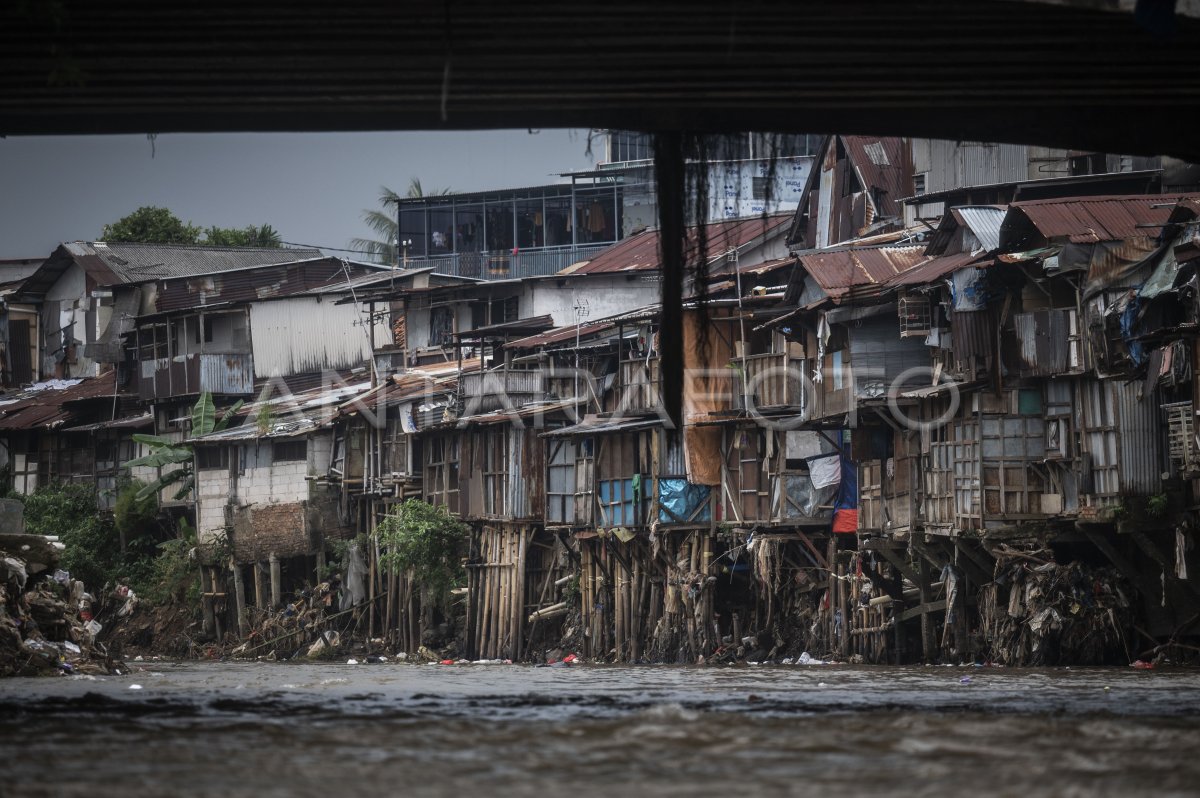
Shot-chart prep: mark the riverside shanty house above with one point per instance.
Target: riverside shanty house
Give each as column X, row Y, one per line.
column 280, row 339
column 552, row 442
column 71, row 312
column 1017, row 386
column 904, row 446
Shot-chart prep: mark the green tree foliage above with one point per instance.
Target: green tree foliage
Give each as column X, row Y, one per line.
column 249, row 236
column 165, row 452
column 93, row 551
column 427, row 541
column 158, row 562
column 383, row 223
column 153, row 225
column 171, row 576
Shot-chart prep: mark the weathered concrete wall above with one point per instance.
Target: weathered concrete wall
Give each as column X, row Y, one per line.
column 270, row 507
column 12, row 517
column 212, row 494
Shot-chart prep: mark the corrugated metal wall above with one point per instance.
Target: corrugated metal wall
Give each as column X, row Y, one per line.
column 878, row 355
column 1140, row 438
column 1124, row 437
column 1042, row 340
column 304, row 334
column 948, row 164
column 674, row 460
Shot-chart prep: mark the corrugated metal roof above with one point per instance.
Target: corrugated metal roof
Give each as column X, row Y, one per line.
column 133, row 263
column 136, row 422
column 262, row 281
column 595, row 426
column 566, row 333
column 534, row 325
column 529, row 410
column 640, row 252
column 292, row 414
column 983, row 221
column 883, row 163
column 766, row 267
column 935, row 268
column 46, row 404
column 839, row 270
column 1084, row 220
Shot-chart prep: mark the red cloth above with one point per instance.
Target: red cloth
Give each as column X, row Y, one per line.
column 845, row 521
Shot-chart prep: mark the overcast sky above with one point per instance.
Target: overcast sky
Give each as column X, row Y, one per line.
column 311, row 187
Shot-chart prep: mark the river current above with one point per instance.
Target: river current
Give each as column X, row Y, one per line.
column 384, row 729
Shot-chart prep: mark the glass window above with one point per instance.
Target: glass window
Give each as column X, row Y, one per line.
column 211, row 458
column 531, row 224
column 594, row 216
column 558, row 221
column 1029, row 402
column 412, row 228
column 500, row 226
column 468, row 228
column 441, row 230
column 289, row 451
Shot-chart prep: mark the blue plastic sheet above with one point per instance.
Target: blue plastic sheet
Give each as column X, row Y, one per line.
column 679, row 500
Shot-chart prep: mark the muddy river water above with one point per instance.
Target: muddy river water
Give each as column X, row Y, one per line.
column 388, row 729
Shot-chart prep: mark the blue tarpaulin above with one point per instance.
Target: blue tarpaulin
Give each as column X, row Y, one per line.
column 679, row 501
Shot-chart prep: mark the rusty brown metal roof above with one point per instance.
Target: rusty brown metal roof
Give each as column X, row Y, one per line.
column 640, row 252
column 883, row 164
column 35, row 407
column 565, row 333
column 839, row 270
column 935, row 268
column 1088, row 220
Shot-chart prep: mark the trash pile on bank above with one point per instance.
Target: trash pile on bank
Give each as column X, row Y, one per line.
column 304, row 626
column 48, row 620
column 1040, row 612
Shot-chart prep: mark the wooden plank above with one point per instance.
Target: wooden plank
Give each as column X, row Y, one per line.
column 1145, row 584
column 923, row 609
column 817, row 554
column 896, row 559
column 1155, row 553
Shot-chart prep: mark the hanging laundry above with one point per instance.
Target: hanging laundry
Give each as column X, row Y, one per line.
column 825, row 470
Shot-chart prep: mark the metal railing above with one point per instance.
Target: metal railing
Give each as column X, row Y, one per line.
column 506, row 265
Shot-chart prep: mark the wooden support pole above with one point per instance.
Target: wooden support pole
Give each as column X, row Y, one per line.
column 239, row 594
column 1148, row 586
column 217, row 587
column 898, row 562
column 927, row 638
column 206, row 590
column 277, row 582
column 977, row 555
column 1156, row 554
column 260, row 595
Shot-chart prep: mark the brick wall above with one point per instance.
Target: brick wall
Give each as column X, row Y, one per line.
column 260, row 529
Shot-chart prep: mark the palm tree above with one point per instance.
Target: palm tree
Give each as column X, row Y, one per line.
column 383, row 222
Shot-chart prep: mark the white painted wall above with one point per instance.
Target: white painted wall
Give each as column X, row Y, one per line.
column 604, row 295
